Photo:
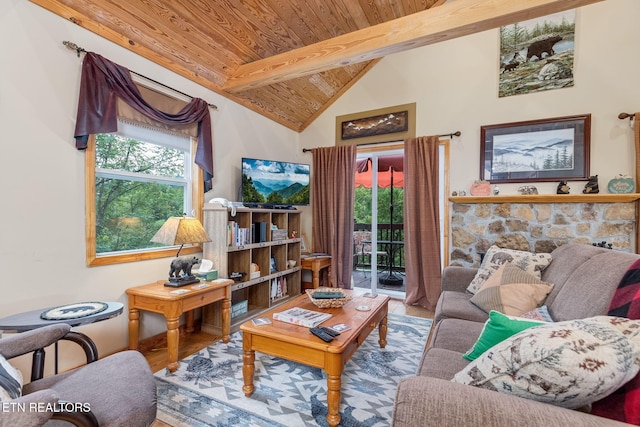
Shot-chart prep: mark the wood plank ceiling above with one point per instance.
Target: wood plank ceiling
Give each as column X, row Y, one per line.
column 208, row 41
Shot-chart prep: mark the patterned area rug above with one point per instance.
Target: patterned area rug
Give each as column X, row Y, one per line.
column 206, row 390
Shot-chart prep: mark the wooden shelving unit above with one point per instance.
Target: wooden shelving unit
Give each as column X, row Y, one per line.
column 258, row 293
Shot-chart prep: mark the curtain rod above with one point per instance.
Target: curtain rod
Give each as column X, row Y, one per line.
column 450, row 135
column 80, row 50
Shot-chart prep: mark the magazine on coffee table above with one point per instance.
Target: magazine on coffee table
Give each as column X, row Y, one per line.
column 302, row 317
column 318, row 255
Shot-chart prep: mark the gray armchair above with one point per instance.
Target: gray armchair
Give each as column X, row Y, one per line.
column 118, row 390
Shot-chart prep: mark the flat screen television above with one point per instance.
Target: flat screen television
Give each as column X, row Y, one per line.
column 274, row 183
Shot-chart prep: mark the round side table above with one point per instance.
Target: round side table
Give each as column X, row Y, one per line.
column 29, row 320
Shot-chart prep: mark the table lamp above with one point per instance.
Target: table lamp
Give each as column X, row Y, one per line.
column 181, row 231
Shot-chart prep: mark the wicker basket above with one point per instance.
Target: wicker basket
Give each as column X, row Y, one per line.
column 329, row 303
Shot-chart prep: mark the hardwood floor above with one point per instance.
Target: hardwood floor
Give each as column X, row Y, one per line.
column 195, row 341
column 398, row 307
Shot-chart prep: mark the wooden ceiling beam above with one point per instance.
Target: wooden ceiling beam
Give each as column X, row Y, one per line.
column 448, row 21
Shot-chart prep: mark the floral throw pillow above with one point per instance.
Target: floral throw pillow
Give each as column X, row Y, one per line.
column 532, row 263
column 569, row 364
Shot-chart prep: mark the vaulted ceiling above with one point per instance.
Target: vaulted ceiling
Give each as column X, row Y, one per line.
column 287, row 59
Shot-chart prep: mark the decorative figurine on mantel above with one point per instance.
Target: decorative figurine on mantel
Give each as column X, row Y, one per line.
column 621, row 184
column 528, row 190
column 591, row 187
column 480, row 188
column 563, row 188
column 603, row 244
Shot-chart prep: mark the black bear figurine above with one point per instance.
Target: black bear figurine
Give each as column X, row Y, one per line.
column 563, row 188
column 591, row 187
column 184, row 265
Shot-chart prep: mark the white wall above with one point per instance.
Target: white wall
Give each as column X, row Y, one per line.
column 42, row 237
column 455, row 86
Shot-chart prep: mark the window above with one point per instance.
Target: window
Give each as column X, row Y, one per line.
column 136, row 179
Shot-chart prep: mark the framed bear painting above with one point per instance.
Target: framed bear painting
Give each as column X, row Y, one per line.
column 537, row 54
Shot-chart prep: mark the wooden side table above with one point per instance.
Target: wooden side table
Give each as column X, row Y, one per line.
column 316, row 265
column 157, row 298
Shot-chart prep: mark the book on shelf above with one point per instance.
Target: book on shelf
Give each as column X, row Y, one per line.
column 236, row 235
column 278, row 288
column 302, row 317
column 231, row 227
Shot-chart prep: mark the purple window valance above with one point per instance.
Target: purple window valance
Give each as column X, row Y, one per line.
column 102, row 81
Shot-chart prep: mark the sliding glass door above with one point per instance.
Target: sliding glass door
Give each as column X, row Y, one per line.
column 379, row 251
column 379, row 221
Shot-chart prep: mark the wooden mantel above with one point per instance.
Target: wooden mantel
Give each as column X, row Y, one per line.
column 549, row 198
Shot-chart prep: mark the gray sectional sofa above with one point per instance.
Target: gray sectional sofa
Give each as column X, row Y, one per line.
column 585, row 278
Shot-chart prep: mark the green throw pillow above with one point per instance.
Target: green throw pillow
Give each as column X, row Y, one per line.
column 498, row 328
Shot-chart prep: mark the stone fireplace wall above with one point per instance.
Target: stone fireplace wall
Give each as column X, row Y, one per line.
column 536, row 227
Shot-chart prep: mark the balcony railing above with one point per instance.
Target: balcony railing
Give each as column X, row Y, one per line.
column 384, row 234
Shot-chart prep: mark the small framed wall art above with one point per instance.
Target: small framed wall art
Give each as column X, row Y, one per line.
column 304, row 244
column 537, row 150
column 395, row 123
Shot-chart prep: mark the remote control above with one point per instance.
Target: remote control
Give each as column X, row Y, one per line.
column 327, row 295
column 329, row 331
column 321, row 334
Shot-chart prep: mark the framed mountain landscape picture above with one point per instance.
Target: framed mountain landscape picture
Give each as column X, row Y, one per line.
column 537, row 150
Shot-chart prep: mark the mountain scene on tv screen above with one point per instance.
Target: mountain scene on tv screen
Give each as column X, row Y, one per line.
column 279, row 183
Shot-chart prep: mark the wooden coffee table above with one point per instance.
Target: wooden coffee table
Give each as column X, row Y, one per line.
column 297, row 344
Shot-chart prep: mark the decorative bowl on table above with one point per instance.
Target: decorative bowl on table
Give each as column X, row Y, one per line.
column 341, row 298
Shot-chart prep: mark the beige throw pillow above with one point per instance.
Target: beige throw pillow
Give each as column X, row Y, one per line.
column 511, row 290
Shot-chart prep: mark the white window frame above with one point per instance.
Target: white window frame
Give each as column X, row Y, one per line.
column 194, row 200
